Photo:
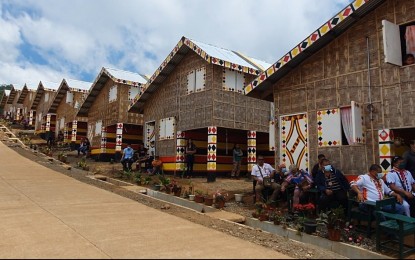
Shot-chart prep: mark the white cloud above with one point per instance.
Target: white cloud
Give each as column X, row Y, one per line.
column 78, row 37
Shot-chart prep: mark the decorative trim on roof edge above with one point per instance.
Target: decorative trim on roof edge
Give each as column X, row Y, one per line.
column 324, row 29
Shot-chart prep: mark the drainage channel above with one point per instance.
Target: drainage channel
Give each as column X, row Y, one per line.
column 347, row 250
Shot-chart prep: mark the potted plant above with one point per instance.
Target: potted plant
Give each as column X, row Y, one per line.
column 333, row 220
column 306, row 212
column 176, row 189
column 220, row 199
column 199, row 196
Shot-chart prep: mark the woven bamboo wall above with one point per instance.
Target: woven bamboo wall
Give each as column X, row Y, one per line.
column 43, row 106
column 67, row 110
column 337, row 75
column 27, row 102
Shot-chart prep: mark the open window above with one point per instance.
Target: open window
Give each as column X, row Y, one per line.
column 399, row 43
column 196, row 80
column 340, row 126
column 233, row 80
column 167, row 128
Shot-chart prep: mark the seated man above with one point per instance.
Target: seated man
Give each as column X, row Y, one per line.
column 259, row 172
column 302, row 181
column 127, row 158
column 84, row 147
column 402, row 182
column 142, row 157
column 332, row 185
column 157, row 166
column 370, row 187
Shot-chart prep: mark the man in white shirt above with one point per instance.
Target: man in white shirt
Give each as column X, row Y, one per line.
column 261, row 170
column 370, row 187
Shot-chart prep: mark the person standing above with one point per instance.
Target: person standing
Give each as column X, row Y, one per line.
column 332, row 185
column 190, row 157
column 237, row 158
column 317, row 166
column 409, row 158
column 370, row 187
column 401, row 181
column 127, row 158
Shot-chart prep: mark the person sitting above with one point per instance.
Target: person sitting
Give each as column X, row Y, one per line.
column 142, row 157
column 84, row 147
column 279, row 177
column 401, row 181
column 301, row 180
column 332, row 185
column 157, row 166
column 127, row 158
column 370, row 187
column 263, row 171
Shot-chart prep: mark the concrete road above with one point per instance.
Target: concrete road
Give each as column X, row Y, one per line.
column 45, row 214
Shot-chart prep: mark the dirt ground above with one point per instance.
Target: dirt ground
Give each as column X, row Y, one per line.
column 291, row 248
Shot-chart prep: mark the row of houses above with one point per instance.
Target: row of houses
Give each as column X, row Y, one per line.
column 344, row 91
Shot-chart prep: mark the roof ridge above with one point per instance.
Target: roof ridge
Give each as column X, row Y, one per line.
column 249, row 60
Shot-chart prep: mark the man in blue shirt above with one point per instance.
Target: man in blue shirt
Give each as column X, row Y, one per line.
column 127, row 158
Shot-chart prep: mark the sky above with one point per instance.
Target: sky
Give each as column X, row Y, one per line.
column 50, row 40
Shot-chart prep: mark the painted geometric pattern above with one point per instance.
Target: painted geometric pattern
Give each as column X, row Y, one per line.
column 31, row 117
column 65, row 135
column 48, row 122
column 132, row 92
column 103, row 140
column 385, row 149
column 293, row 134
column 180, row 149
column 329, row 127
column 272, row 135
column 74, row 130
column 150, row 137
column 201, row 53
column 251, row 145
column 358, row 123
column 167, row 128
column 118, row 138
column 212, row 147
column 306, row 43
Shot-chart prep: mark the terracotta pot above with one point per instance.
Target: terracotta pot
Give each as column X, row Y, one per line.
column 263, row 217
column 255, row 215
column 208, row 201
column 277, row 221
column 199, row 198
column 334, row 234
column 220, row 204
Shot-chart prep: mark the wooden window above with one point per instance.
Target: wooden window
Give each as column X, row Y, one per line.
column 167, row 128
column 69, row 97
column 113, row 94
column 233, row 80
column 340, row 126
column 196, row 80
column 98, row 127
column 399, row 43
column 133, row 92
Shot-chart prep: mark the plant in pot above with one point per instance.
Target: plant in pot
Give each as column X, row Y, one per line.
column 220, row 199
column 199, row 196
column 176, row 189
column 333, row 220
column 137, row 178
column 165, row 183
column 306, row 211
column 259, row 208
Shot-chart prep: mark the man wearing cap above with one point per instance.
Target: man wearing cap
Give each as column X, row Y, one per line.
column 261, row 170
column 402, row 182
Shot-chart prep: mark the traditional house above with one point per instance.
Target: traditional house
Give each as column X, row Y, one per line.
column 44, row 122
column 26, row 98
column 343, row 91
column 12, row 107
column 65, row 105
column 3, row 101
column 197, row 93
column 110, row 125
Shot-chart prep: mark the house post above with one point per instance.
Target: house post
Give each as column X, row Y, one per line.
column 211, row 156
column 251, row 150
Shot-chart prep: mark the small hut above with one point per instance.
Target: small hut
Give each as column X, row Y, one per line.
column 12, row 107
column 110, row 125
column 197, row 93
column 45, row 123
column 3, row 101
column 65, row 105
column 345, row 90
column 26, row 98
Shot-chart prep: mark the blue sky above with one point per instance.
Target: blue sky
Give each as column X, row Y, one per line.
column 54, row 39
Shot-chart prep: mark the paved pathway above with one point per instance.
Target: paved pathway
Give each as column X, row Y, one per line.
column 45, row 214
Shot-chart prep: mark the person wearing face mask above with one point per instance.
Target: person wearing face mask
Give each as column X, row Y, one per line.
column 370, row 187
column 332, row 185
column 402, row 182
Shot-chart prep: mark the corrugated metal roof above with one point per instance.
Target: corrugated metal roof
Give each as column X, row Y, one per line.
column 7, row 92
column 211, row 54
column 74, row 84
column 49, row 85
column 330, row 30
column 127, row 75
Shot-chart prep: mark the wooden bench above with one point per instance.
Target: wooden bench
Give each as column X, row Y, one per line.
column 397, row 224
